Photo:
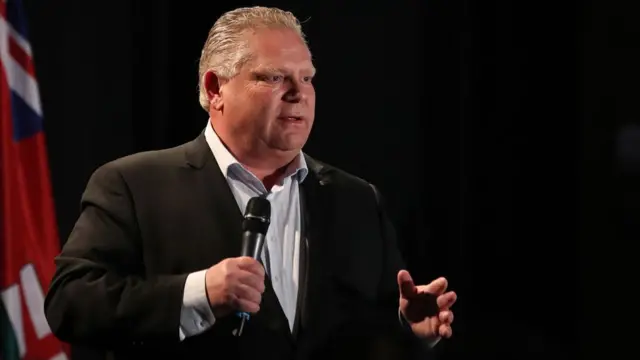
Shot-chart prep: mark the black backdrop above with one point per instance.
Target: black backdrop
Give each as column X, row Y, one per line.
column 489, row 125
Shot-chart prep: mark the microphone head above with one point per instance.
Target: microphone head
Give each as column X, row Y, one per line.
column 257, row 215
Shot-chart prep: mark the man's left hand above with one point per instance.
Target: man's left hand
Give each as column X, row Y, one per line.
column 428, row 319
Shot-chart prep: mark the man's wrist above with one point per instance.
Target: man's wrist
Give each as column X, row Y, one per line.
column 403, row 320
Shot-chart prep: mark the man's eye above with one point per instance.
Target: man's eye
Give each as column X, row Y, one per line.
column 271, row 78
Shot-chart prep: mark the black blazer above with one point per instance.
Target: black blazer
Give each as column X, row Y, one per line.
column 149, row 219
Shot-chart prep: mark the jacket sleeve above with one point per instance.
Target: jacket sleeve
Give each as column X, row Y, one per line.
column 389, row 295
column 100, row 293
column 393, row 261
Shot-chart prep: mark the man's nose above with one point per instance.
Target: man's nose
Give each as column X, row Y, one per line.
column 296, row 92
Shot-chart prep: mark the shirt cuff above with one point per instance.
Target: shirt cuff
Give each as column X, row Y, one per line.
column 430, row 343
column 196, row 315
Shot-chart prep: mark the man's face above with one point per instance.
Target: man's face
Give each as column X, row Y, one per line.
column 271, row 102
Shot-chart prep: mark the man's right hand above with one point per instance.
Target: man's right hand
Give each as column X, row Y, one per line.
column 235, row 284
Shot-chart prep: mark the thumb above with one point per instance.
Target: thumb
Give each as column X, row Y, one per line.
column 406, row 285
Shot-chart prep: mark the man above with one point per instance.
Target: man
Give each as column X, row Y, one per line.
column 152, row 267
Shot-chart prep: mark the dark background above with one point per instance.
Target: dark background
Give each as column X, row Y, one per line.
column 501, row 133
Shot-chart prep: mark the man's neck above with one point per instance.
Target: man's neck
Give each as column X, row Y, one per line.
column 269, row 166
column 265, row 167
column 269, row 178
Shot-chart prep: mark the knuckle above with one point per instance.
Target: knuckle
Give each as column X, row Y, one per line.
column 253, row 307
column 238, row 290
column 257, row 280
column 224, row 269
column 228, row 277
column 230, row 298
column 250, row 306
column 226, row 263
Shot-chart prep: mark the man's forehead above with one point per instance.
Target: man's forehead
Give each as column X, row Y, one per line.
column 275, row 49
column 275, row 39
column 280, row 60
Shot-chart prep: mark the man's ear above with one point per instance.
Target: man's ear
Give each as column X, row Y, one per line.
column 212, row 85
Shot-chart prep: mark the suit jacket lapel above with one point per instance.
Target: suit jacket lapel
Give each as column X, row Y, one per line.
column 316, row 206
column 218, row 207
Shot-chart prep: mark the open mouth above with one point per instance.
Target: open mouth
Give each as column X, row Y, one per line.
column 291, row 118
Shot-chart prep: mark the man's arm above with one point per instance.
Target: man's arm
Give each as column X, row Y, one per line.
column 393, row 263
column 100, row 293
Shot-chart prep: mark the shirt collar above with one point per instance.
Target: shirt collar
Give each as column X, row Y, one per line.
column 226, row 161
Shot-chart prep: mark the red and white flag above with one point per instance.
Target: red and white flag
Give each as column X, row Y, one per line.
column 28, row 231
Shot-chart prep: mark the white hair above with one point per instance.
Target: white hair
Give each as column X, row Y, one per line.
column 225, row 52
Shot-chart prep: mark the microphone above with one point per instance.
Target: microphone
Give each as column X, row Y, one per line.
column 257, row 217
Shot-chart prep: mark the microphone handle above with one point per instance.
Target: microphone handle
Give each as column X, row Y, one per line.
column 252, row 243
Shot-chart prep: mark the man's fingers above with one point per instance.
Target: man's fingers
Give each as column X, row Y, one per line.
column 445, row 331
column 252, row 265
column 437, row 286
column 248, row 293
column 248, row 306
column 445, row 301
column 246, row 299
column 406, row 285
column 446, row 317
column 253, row 280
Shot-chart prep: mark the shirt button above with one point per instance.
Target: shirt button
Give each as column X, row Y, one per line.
column 277, row 278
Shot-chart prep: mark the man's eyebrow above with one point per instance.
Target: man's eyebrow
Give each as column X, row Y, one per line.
column 276, row 69
column 268, row 69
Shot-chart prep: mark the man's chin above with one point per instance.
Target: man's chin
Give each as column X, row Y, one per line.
column 290, row 144
column 288, row 151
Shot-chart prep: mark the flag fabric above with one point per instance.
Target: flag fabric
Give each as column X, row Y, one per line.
column 28, row 231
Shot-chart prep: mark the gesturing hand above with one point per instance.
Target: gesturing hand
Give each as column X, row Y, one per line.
column 426, row 307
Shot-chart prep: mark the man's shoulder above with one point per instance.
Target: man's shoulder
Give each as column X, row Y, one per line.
column 147, row 164
column 333, row 174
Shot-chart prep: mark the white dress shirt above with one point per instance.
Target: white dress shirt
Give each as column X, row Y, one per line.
column 282, row 243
